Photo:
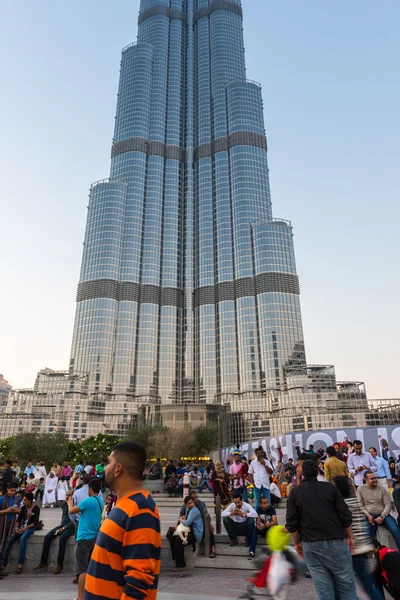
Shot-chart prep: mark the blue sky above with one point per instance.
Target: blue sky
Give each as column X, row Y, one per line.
column 331, row 87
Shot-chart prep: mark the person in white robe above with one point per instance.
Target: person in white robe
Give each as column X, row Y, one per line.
column 62, row 489
column 50, row 488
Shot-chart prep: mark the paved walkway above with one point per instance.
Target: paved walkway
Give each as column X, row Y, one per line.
column 201, row 584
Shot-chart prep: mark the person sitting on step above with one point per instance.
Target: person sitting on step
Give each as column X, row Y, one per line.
column 65, row 530
column 238, row 519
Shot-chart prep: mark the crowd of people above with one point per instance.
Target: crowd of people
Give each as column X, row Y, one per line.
column 84, row 513
column 337, row 498
column 335, row 527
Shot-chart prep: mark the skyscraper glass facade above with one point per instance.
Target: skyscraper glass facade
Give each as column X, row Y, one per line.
column 188, row 290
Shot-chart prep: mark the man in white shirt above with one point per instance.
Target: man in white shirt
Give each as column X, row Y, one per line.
column 359, row 462
column 259, row 471
column 238, row 519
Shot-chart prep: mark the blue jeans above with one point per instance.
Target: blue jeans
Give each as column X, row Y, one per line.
column 206, row 483
column 242, row 491
column 390, row 524
column 367, row 579
column 22, row 546
column 254, row 537
column 331, row 569
column 259, row 493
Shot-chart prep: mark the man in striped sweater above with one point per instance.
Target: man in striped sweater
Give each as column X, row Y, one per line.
column 126, row 558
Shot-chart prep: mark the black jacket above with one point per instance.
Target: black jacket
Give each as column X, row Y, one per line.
column 34, row 518
column 317, row 511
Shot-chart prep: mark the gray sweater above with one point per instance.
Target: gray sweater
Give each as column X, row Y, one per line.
column 374, row 501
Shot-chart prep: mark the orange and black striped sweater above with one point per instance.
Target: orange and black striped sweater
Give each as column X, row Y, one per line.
column 126, row 558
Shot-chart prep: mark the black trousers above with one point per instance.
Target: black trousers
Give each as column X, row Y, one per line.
column 178, row 549
column 39, row 494
column 233, row 528
column 275, row 499
column 62, row 544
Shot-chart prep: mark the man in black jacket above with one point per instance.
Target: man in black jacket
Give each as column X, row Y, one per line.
column 27, row 521
column 319, row 522
column 65, row 530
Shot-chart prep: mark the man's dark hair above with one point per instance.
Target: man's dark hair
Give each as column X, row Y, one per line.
column 331, row 451
column 367, row 473
column 343, row 485
column 87, row 478
column 195, row 469
column 187, row 498
column 95, row 485
column 29, row 496
column 259, row 449
column 357, row 442
column 310, row 468
column 8, row 462
column 13, row 485
column 374, row 449
column 311, row 446
column 133, row 458
column 304, row 456
column 193, row 493
column 238, row 496
column 158, row 459
column 290, row 459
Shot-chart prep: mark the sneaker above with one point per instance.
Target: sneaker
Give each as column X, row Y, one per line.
column 39, row 566
column 179, row 569
column 250, row 556
column 51, row 505
column 58, row 569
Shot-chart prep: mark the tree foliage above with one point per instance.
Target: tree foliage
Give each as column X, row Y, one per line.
column 5, row 448
column 48, row 447
column 204, row 439
column 93, row 449
column 159, row 442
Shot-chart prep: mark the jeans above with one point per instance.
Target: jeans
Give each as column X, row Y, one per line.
column 206, row 483
column 390, row 524
column 259, row 493
column 367, row 579
column 242, row 491
column 22, row 546
column 330, row 566
column 62, row 544
column 254, row 537
column 233, row 528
